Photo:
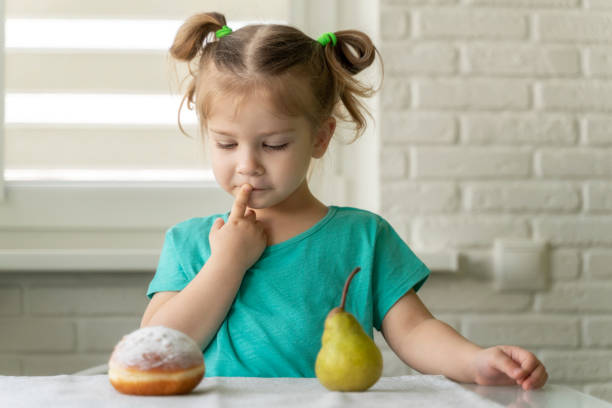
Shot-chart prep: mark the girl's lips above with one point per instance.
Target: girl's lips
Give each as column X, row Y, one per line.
column 256, row 189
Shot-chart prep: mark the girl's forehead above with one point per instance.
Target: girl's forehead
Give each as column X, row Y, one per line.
column 252, row 107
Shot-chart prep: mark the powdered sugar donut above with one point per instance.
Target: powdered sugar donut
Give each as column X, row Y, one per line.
column 156, row 361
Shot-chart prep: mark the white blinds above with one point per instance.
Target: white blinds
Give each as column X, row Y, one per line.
column 90, row 93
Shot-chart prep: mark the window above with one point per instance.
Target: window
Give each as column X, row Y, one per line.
column 93, row 167
column 90, row 92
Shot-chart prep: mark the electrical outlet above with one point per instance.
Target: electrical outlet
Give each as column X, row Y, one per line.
column 521, row 264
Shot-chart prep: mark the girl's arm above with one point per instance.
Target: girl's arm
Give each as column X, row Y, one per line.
column 425, row 343
column 200, row 308
column 433, row 347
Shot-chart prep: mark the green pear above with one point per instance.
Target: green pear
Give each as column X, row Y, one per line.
column 349, row 360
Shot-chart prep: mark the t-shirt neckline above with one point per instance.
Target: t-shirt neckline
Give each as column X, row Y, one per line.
column 302, row 235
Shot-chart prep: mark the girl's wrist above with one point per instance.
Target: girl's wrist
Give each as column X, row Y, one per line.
column 472, row 362
column 228, row 266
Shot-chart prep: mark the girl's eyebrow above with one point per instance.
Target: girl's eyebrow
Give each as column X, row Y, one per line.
column 274, row 132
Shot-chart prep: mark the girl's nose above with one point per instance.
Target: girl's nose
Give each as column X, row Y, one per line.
column 249, row 165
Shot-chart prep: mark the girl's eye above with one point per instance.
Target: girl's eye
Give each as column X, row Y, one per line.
column 279, row 147
column 225, row 146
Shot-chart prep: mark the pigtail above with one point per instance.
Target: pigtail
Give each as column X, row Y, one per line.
column 353, row 53
column 192, row 38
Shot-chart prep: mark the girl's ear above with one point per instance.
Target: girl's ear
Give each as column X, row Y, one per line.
column 323, row 137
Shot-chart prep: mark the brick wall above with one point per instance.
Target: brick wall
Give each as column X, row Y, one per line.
column 497, row 122
column 61, row 323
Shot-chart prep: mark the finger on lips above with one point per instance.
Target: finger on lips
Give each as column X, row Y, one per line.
column 240, row 203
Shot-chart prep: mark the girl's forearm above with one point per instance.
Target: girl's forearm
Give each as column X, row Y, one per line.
column 433, row 347
column 200, row 308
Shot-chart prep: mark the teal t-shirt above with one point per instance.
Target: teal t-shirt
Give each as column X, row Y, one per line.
column 275, row 323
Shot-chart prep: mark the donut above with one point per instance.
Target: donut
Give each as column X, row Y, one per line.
column 156, row 360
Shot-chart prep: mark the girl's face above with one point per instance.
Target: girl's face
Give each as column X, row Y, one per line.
column 255, row 145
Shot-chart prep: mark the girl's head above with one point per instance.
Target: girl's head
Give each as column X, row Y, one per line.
column 266, row 79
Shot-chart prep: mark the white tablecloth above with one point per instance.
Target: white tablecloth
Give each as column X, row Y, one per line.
column 96, row 391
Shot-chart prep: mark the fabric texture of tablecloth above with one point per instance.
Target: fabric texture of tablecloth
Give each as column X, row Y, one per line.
column 68, row 391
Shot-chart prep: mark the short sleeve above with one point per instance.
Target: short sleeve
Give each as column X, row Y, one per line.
column 169, row 275
column 396, row 270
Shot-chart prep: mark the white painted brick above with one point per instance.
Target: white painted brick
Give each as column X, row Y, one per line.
column 574, row 95
column 524, row 331
column 598, row 264
column 576, row 297
column 420, row 198
column 442, row 294
column 525, row 3
column 10, row 365
column 519, row 129
column 401, row 224
column 394, row 24
column 579, row 365
column 601, row 391
column 61, row 364
column 450, row 232
column 419, row 2
column 599, row 61
column 88, row 301
column 599, row 131
column 410, row 127
column 395, row 94
column 36, row 335
column 456, row 23
column 598, row 4
column 598, row 197
column 474, row 94
column 573, row 27
column 425, row 58
column 522, row 60
column 598, row 331
column 478, row 263
column 565, row 264
column 10, row 300
column 393, row 163
column 470, row 162
column 574, row 162
column 572, row 231
column 522, row 196
column 103, row 334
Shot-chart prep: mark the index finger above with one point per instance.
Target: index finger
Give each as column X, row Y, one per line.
column 240, row 204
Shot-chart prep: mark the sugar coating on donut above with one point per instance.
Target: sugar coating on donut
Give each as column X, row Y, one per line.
column 157, row 348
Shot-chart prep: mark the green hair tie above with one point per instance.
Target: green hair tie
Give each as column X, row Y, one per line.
column 327, row 38
column 225, row 30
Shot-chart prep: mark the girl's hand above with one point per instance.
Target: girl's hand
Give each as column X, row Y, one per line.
column 507, row 365
column 242, row 240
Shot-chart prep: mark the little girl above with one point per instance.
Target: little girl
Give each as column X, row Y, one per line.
column 253, row 286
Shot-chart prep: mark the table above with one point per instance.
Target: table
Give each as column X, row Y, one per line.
column 415, row 390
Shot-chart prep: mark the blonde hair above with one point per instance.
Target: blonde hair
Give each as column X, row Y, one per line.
column 302, row 77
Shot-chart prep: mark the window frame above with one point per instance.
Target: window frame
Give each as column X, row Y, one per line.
column 146, row 207
column 127, row 220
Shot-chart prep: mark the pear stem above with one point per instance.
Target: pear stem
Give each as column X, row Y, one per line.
column 346, row 285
